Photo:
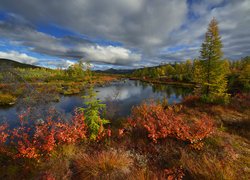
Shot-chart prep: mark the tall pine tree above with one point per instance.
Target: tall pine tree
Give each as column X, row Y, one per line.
column 211, row 78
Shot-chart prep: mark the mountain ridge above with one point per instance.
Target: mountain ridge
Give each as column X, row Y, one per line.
column 15, row 64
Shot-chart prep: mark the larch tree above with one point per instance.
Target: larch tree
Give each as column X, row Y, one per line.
column 212, row 70
column 198, row 76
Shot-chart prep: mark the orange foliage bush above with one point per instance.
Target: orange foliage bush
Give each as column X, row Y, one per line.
column 162, row 123
column 3, row 133
column 34, row 140
column 3, row 137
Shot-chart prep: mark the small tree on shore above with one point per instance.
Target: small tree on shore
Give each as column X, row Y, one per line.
column 93, row 108
column 210, row 72
column 77, row 70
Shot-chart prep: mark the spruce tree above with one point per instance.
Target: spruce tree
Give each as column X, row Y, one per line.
column 212, row 80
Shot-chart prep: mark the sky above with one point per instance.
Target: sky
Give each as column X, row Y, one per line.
column 121, row 34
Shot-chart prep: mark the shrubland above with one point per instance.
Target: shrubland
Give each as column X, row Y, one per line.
column 16, row 82
column 157, row 141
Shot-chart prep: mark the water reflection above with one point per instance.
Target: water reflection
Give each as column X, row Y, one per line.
column 117, row 92
column 119, row 97
column 127, row 94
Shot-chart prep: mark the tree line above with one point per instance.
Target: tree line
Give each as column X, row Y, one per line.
column 214, row 76
column 185, row 71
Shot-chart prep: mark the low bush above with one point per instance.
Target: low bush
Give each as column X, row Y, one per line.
column 37, row 139
column 160, row 123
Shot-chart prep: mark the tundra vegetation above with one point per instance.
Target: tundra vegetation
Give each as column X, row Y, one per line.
column 206, row 136
column 15, row 82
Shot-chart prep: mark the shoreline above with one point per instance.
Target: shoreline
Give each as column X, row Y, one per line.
column 154, row 81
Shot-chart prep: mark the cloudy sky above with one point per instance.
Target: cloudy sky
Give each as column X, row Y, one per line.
column 118, row 33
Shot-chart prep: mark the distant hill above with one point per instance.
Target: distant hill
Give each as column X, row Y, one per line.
column 116, row 71
column 15, row 64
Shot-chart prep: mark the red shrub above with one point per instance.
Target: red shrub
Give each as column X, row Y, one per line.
column 36, row 140
column 161, row 123
column 3, row 133
column 3, row 137
column 70, row 133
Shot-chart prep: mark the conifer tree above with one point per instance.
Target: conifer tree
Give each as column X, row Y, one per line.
column 198, row 76
column 245, row 76
column 212, row 80
column 93, row 108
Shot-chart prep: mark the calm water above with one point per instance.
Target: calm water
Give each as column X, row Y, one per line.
column 119, row 97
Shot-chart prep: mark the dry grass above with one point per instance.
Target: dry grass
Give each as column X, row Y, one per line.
column 58, row 166
column 207, row 166
column 223, row 157
column 112, row 164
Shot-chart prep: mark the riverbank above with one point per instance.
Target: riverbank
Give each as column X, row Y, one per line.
column 163, row 81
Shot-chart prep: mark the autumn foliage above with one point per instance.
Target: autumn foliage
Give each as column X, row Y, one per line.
column 39, row 139
column 3, row 133
column 161, row 123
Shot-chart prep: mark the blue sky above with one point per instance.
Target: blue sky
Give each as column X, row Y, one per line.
column 118, row 33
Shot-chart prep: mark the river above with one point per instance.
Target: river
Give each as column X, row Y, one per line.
column 119, row 97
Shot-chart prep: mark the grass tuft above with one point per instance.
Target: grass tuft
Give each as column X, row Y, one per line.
column 110, row 164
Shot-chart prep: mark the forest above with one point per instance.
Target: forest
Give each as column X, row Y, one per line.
column 184, row 72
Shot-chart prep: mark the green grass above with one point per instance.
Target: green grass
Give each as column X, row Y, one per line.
column 7, row 99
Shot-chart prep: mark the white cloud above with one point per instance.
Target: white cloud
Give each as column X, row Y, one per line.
column 20, row 57
column 110, row 54
column 117, row 93
column 67, row 47
column 57, row 63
